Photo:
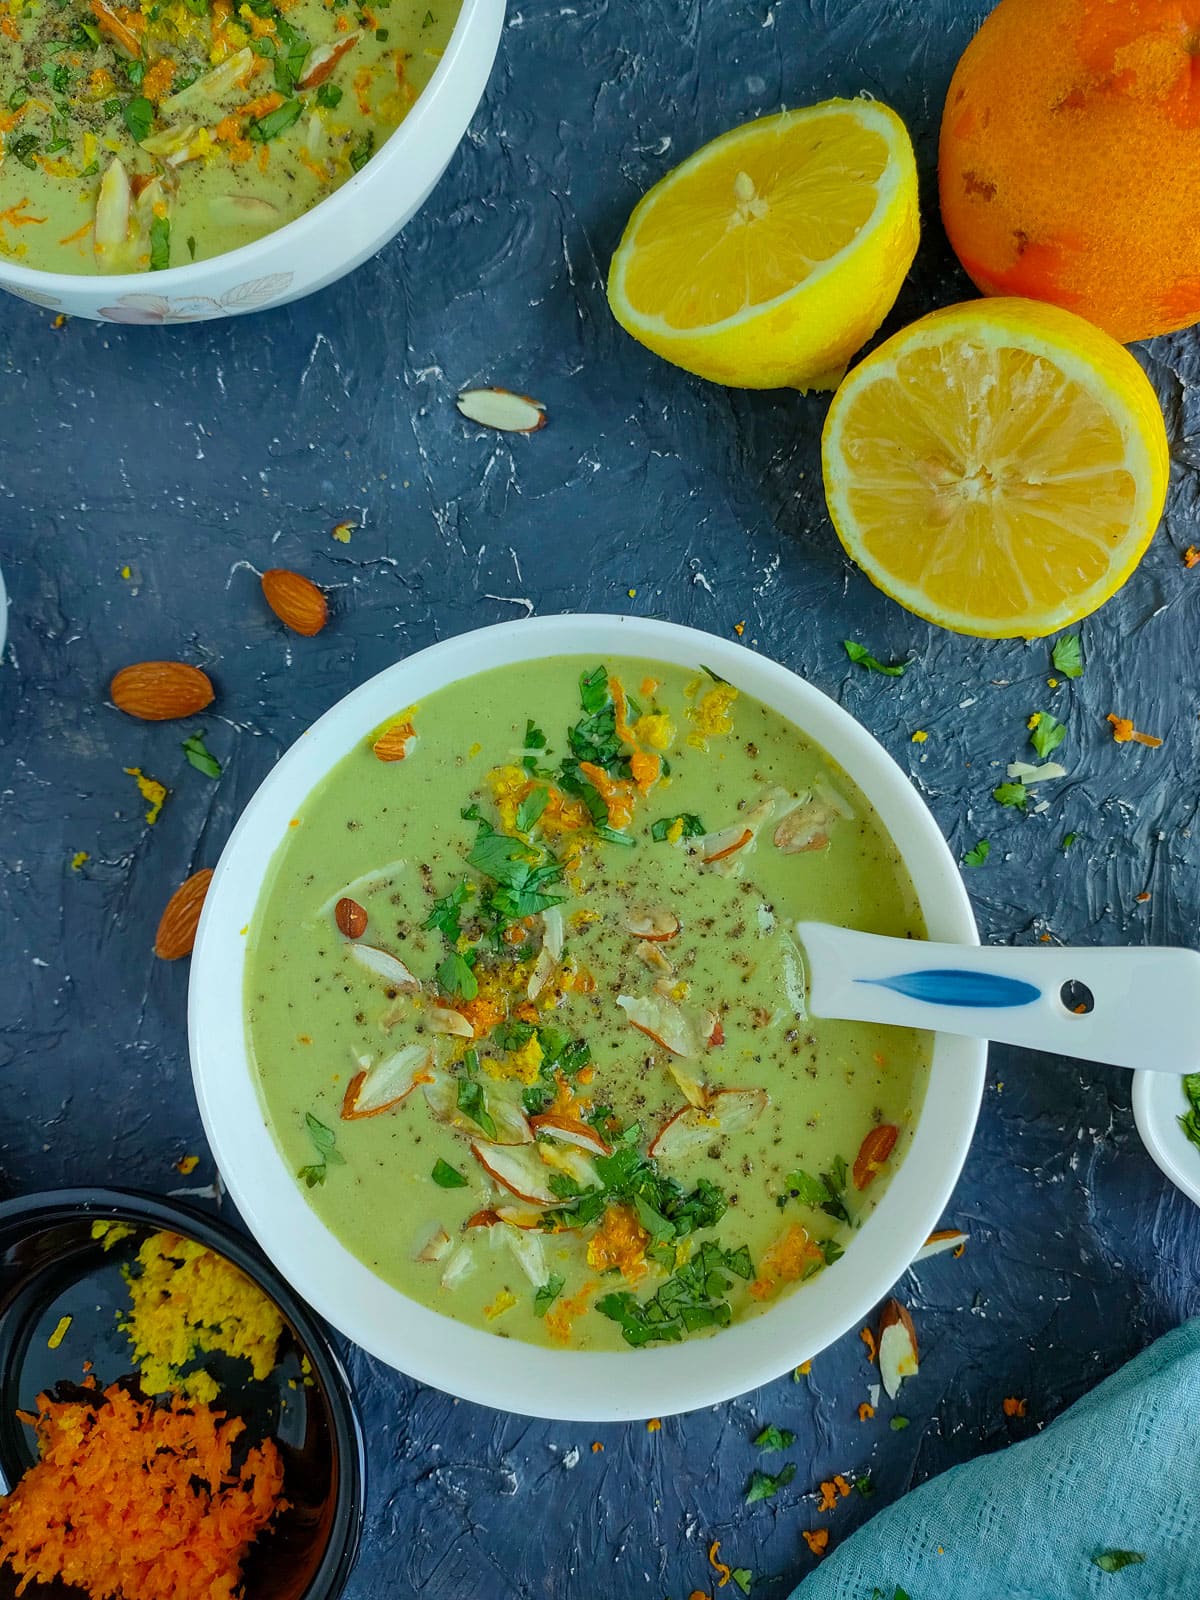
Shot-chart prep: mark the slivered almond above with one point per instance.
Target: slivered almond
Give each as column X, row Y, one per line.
column 517, row 1169
column 177, row 926
column 434, row 1244
column 502, row 409
column 444, row 1019
column 382, row 964
column 322, row 61
column 657, row 925
column 897, row 1347
column 111, row 225
column 295, row 600
column 727, row 1111
column 158, row 691
column 938, row 1243
column 568, row 1131
column 350, row 917
column 379, row 1088
column 731, row 848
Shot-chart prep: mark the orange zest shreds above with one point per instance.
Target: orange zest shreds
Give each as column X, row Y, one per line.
column 1191, row 556
column 723, row 1572
column 739, row 628
column 185, row 1302
column 866, row 1411
column 1015, row 1408
column 789, row 1258
column 620, row 711
column 617, row 793
column 186, row 1165
column 597, row 1447
column 649, row 685
column 561, row 1316
column 503, row 1302
column 620, row 1241
column 119, row 29
column 654, row 1425
column 817, row 1542
column 828, row 1498
column 139, row 1499
column 868, row 1338
column 156, row 85
column 1124, row 732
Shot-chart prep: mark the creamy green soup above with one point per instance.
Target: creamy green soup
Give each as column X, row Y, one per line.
column 134, row 138
column 529, row 1018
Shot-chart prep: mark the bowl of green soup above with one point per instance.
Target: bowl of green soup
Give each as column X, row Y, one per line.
column 499, row 1028
column 178, row 163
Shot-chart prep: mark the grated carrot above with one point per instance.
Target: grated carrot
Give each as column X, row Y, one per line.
column 817, row 1542
column 723, row 1572
column 138, row 1499
column 1124, row 732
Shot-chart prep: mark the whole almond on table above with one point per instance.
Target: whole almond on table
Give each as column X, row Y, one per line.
column 158, row 691
column 295, row 600
column 177, row 926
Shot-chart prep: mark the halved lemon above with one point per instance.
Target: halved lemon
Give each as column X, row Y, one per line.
column 998, row 467
column 769, row 257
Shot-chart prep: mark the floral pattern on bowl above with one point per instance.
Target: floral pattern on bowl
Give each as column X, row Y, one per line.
column 147, row 310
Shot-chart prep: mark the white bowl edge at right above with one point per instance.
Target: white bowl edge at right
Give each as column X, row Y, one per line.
column 1158, row 1104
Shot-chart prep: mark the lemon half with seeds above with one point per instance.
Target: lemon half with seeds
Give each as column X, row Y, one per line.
column 771, row 255
column 998, row 467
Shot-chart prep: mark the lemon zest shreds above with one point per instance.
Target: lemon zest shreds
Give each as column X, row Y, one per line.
column 723, row 1572
column 59, row 1334
column 186, row 1165
column 654, row 1425
column 110, row 1233
column 711, row 714
column 343, row 531
column 78, row 859
column 503, row 1302
column 138, row 1499
column 1124, row 732
column 153, row 792
column 920, row 736
column 186, row 1302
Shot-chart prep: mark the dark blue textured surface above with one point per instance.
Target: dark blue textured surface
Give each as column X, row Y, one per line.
column 196, row 455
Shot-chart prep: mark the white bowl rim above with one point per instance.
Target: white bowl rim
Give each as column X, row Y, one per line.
column 1158, row 1103
column 178, row 280
column 450, row 1355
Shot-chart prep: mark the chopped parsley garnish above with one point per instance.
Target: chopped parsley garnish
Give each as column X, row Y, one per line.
column 773, row 1438
column 862, row 657
column 826, row 1192
column 1190, row 1121
column 139, row 117
column 863, row 1486
column 455, row 978
column 692, row 1298
column 898, row 1424
column 977, row 855
column 324, row 1142
column 743, row 1577
column 201, row 757
column 446, row 1176
column 1015, row 795
column 289, row 62
column 535, row 739
column 531, row 808
column 521, row 872
column 664, row 1208
column 764, row 1485
column 1114, row 1560
column 1046, row 734
column 472, row 1101
column 276, row 122
column 549, row 1292
column 160, row 244
column 444, row 916
column 23, row 148
column 1067, row 656
column 715, row 676
column 692, row 827
column 329, row 96
column 363, row 151
column 1068, row 840
column 191, row 244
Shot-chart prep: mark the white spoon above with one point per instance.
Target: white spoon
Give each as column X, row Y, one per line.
column 1129, row 1007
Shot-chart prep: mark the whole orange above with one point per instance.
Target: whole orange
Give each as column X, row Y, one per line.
column 1070, row 159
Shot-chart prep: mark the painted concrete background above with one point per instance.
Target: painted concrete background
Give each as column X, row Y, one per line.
column 145, row 474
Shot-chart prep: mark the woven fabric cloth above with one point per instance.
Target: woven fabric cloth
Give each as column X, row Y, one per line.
column 1119, row 1471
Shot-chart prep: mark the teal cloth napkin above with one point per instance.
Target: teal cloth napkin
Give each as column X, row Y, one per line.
column 1119, row 1471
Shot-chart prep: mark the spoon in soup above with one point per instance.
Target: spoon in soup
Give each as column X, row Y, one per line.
column 1127, row 1007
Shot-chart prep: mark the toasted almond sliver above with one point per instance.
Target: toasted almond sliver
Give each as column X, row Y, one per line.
column 382, row 964
column 444, row 1019
column 435, row 1242
column 220, row 81
column 112, row 208
column 502, row 409
column 938, row 1243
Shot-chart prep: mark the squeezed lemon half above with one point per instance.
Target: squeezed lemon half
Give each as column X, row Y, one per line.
column 998, row 467
column 771, row 255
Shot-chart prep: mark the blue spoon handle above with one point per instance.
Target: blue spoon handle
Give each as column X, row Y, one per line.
column 1135, row 1007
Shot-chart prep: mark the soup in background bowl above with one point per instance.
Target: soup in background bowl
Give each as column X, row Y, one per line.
column 501, row 1042
column 193, row 161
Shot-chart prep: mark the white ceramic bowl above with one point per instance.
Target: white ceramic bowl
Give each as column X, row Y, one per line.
column 434, row 1348
column 322, row 245
column 1158, row 1104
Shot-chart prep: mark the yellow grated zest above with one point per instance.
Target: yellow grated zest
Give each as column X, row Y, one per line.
column 804, row 1369
column 110, row 1233
column 503, row 1302
column 718, row 1566
column 739, row 628
column 186, row 1302
column 597, row 1448
column 1034, row 720
column 656, row 729
column 675, row 831
column 186, row 1165
column 654, row 1425
column 343, row 531
column 474, row 750
column 59, row 1334
column 711, row 714
column 920, row 736
column 153, row 792
column 126, row 572
column 78, row 859
column 632, row 593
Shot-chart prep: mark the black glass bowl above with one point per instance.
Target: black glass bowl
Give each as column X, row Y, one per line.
column 52, row 1267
